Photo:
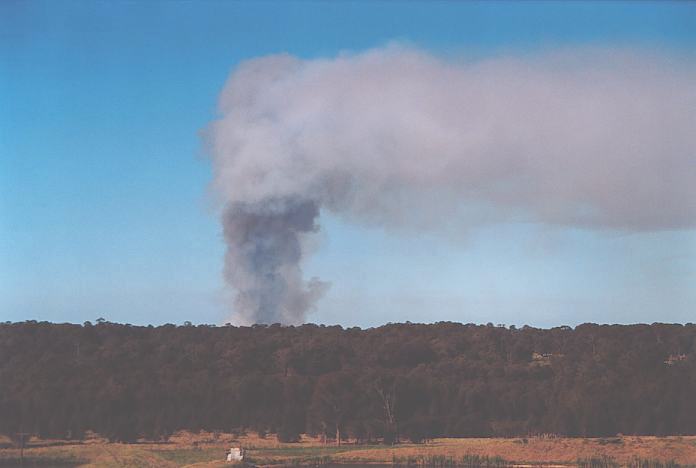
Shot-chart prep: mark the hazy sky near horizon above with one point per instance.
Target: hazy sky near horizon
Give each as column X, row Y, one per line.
column 105, row 204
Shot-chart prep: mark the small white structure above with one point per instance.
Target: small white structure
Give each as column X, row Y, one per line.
column 235, row 454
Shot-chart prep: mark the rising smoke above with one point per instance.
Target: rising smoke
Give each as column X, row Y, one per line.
column 263, row 260
column 593, row 139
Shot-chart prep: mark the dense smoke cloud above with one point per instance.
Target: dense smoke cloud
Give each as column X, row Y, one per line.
column 263, row 259
column 597, row 139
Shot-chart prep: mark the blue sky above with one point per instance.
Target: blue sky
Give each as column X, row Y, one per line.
column 104, row 202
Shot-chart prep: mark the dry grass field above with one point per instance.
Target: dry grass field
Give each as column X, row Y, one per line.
column 565, row 451
column 207, row 450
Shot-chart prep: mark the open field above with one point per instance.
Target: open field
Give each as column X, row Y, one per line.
column 207, row 450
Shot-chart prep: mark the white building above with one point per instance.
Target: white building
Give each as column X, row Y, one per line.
column 235, row 454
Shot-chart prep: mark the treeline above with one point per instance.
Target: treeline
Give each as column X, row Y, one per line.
column 395, row 382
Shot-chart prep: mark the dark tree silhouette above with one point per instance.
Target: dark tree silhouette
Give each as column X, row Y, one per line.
column 408, row 381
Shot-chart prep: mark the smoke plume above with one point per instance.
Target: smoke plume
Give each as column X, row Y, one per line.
column 264, row 256
column 593, row 139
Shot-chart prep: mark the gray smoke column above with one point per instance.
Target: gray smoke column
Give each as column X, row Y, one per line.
column 263, row 259
column 597, row 139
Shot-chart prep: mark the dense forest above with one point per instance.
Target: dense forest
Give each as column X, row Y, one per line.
column 396, row 382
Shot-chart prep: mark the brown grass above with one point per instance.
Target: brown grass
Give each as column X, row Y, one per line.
column 538, row 450
column 207, row 450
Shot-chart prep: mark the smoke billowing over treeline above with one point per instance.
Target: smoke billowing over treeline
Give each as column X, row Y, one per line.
column 445, row 379
column 589, row 138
